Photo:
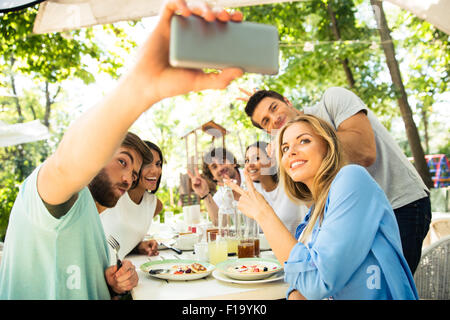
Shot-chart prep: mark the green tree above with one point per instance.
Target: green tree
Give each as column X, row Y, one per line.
column 323, row 44
column 41, row 63
column 402, row 97
column 429, row 69
column 331, row 43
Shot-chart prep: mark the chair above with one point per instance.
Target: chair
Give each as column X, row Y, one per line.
column 439, row 228
column 432, row 276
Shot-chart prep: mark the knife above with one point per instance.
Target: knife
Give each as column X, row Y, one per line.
column 171, row 248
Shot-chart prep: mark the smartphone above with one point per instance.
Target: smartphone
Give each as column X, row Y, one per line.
column 196, row 43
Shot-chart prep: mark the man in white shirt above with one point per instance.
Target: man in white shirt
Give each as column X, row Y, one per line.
column 365, row 142
column 218, row 163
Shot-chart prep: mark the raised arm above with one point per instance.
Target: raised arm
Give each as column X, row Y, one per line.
column 253, row 205
column 354, row 130
column 201, row 188
column 91, row 141
column 358, row 140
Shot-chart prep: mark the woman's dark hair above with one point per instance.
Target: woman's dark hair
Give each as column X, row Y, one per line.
column 262, row 145
column 133, row 141
column 153, row 146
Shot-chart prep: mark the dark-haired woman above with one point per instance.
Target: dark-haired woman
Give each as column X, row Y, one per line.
column 259, row 165
column 129, row 221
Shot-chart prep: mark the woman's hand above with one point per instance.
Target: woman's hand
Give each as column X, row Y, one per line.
column 295, row 295
column 254, row 206
column 251, row 202
column 149, row 248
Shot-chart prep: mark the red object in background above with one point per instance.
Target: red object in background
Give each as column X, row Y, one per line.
column 439, row 165
column 439, row 169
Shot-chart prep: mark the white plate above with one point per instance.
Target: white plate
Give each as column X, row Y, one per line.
column 183, row 246
column 228, row 268
column 220, row 276
column 167, row 264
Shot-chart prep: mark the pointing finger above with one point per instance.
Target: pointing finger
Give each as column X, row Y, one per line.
column 249, row 182
column 234, row 186
column 245, row 91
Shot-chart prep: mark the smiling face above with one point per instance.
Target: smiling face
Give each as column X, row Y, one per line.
column 222, row 168
column 116, row 177
column 302, row 152
column 256, row 163
column 271, row 114
column 151, row 173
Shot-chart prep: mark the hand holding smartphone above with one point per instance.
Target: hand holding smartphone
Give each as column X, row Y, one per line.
column 196, row 43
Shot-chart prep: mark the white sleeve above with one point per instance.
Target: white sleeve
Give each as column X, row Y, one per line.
column 217, row 197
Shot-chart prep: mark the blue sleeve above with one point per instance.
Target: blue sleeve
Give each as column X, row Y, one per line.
column 342, row 243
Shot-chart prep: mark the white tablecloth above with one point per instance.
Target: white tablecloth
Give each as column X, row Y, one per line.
column 209, row 288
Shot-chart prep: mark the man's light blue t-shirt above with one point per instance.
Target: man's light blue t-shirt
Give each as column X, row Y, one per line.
column 49, row 258
column 356, row 252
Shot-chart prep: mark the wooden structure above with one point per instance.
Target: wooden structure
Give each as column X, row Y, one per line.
column 216, row 131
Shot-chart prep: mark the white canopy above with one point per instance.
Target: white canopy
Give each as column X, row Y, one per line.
column 60, row 15
column 12, row 5
column 12, row 134
column 436, row 12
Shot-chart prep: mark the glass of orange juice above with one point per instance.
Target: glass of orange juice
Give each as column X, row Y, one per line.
column 217, row 248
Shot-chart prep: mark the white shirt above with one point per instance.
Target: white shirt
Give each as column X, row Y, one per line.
column 218, row 196
column 290, row 213
column 128, row 222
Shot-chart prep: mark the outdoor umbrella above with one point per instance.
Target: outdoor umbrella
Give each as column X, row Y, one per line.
column 12, row 134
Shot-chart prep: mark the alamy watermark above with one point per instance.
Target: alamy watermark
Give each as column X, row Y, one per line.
column 374, row 279
column 73, row 281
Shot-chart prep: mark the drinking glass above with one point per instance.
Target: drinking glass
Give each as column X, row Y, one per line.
column 168, row 217
column 201, row 251
column 248, row 246
column 217, row 248
column 228, row 230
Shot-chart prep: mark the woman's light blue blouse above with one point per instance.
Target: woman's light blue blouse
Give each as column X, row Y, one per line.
column 356, row 252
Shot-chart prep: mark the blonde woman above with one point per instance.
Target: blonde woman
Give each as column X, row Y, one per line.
column 348, row 246
column 265, row 178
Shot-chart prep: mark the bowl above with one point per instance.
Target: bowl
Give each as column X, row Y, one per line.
column 186, row 241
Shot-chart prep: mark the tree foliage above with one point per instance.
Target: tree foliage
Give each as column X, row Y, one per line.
column 321, row 41
column 33, row 69
column 312, row 57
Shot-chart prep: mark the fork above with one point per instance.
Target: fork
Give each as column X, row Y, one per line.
column 116, row 246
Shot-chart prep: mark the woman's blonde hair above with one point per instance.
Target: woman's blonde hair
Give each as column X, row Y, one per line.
column 332, row 162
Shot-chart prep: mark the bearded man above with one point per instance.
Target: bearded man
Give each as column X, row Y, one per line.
column 65, row 241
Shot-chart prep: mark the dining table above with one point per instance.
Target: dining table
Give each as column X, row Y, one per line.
column 212, row 287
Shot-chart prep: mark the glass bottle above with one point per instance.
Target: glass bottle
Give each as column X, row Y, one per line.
column 227, row 220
